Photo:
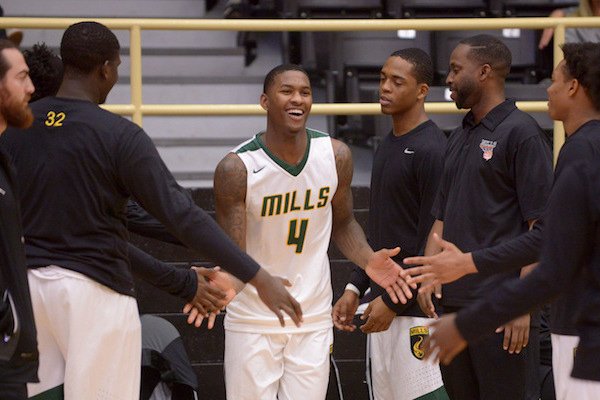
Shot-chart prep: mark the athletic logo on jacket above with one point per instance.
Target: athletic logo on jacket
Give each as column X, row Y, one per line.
column 487, row 146
column 418, row 334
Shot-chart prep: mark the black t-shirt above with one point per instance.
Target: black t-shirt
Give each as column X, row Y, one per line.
column 77, row 166
column 570, row 252
column 497, row 177
column 404, row 182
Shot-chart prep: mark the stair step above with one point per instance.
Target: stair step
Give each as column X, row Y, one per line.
column 151, row 39
column 106, row 8
column 209, row 93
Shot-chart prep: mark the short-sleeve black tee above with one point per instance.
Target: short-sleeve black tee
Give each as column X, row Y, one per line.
column 497, row 177
column 404, row 181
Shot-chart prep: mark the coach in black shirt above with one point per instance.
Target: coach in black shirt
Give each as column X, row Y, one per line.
column 570, row 258
column 497, row 175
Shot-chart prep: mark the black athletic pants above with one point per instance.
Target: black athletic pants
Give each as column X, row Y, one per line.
column 485, row 371
column 13, row 391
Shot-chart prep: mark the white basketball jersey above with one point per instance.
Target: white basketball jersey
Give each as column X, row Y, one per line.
column 288, row 229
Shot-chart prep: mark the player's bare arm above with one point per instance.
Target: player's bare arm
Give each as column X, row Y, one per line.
column 230, row 187
column 351, row 240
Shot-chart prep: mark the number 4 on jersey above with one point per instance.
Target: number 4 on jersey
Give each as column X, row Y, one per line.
column 297, row 235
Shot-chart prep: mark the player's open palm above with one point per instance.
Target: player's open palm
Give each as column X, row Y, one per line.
column 389, row 275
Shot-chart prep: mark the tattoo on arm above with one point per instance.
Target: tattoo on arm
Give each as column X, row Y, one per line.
column 347, row 233
column 230, row 198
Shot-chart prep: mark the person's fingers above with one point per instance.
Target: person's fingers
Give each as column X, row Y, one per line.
column 525, row 337
column 404, row 288
column 507, row 336
column 422, row 299
column 292, row 309
column 367, row 312
column 392, row 294
column 367, row 326
column 418, row 260
column 193, row 313
column 393, row 252
column 286, row 282
column 437, row 290
column 211, row 319
column 187, row 307
column 199, row 320
column 428, row 283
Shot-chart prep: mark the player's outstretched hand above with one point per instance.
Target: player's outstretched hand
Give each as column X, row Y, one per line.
column 444, row 267
column 445, row 341
column 273, row 293
column 378, row 315
column 208, row 297
column 195, row 317
column 389, row 275
column 343, row 311
column 516, row 334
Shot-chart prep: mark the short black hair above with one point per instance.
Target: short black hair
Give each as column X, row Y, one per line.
column 423, row 67
column 270, row 78
column 582, row 62
column 86, row 45
column 45, row 70
column 488, row 49
column 4, row 65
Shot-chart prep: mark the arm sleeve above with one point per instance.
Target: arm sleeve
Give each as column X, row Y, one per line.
column 533, row 175
column 429, row 174
column 176, row 281
column 512, row 254
column 144, row 224
column 360, row 279
column 566, row 247
column 148, row 180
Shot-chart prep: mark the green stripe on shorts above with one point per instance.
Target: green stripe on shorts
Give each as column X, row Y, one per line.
column 56, row 393
column 437, row 394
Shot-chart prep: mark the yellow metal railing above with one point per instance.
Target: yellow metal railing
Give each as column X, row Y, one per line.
column 137, row 109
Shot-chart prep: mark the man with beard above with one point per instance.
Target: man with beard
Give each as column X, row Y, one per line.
column 497, row 176
column 18, row 347
column 77, row 166
column 406, row 172
column 570, row 259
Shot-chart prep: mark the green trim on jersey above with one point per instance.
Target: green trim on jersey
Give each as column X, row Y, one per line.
column 56, row 393
column 253, row 145
column 437, row 394
column 294, row 170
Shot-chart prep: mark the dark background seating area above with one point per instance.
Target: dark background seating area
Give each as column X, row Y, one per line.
column 347, row 64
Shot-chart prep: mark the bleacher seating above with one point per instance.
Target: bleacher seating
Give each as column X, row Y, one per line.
column 528, row 8
column 332, row 8
column 436, row 8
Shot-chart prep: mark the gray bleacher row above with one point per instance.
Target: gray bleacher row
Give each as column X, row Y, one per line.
column 403, row 8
